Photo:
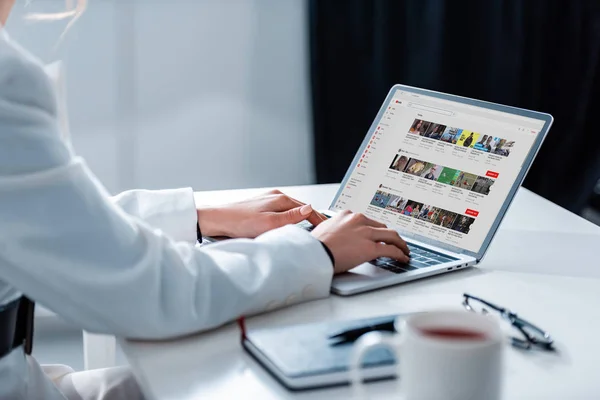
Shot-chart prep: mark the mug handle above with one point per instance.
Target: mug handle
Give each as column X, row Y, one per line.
column 363, row 345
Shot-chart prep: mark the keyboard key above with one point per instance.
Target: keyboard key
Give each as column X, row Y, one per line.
column 394, row 269
column 420, row 258
column 383, row 261
column 398, row 264
column 417, row 264
column 378, row 262
column 395, row 263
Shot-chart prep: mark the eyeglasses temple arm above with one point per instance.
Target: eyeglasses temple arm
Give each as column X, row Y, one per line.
column 487, row 303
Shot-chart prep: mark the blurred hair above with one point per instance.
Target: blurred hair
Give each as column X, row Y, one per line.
column 74, row 9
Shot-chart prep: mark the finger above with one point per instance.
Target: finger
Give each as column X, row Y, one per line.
column 391, row 251
column 274, row 191
column 364, row 220
column 285, row 203
column 391, row 237
column 292, row 216
column 316, row 218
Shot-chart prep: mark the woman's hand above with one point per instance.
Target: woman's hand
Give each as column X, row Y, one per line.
column 253, row 217
column 354, row 239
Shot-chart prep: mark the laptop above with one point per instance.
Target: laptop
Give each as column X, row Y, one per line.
column 442, row 170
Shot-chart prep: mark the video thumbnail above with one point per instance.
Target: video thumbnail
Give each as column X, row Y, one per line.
column 419, row 127
column 502, row 147
column 426, row 213
column 399, row 163
column 482, row 185
column 415, row 167
column 465, row 180
column 397, row 204
column 451, row 135
column 381, row 199
column 485, row 144
column 461, row 137
column 422, row 211
column 435, row 131
column 445, row 218
column 412, row 208
column 441, row 174
column 462, row 224
column 468, row 139
column 448, row 176
column 431, row 171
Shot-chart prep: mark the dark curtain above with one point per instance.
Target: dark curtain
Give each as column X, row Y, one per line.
column 538, row 54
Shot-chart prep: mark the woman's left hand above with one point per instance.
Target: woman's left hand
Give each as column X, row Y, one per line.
column 253, row 217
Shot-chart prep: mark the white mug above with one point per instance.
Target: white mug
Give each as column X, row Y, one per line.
column 450, row 355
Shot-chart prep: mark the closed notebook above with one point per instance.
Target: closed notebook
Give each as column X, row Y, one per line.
column 303, row 356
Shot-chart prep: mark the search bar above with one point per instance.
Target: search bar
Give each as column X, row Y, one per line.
column 430, row 109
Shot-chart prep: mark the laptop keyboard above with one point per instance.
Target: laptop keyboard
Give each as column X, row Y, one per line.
column 419, row 257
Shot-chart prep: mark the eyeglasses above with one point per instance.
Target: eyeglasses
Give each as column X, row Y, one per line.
column 532, row 336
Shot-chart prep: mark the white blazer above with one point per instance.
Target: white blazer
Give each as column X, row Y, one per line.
column 128, row 265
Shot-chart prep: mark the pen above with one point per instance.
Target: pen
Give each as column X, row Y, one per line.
column 353, row 334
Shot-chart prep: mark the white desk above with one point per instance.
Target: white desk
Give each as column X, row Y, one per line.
column 559, row 293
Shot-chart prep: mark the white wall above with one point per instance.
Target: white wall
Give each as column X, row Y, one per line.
column 204, row 93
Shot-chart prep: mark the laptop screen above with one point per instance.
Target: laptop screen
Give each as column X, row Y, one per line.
column 439, row 169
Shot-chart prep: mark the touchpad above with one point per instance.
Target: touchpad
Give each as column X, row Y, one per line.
column 362, row 272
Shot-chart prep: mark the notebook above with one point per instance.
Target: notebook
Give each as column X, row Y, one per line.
column 303, row 357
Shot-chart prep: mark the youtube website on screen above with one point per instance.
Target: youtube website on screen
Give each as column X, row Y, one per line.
column 438, row 168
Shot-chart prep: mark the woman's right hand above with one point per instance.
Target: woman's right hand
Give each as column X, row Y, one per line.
column 354, row 239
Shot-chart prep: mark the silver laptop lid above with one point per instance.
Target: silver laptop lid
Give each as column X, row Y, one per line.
column 442, row 169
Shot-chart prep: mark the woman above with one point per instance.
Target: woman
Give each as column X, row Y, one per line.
column 416, row 126
column 129, row 266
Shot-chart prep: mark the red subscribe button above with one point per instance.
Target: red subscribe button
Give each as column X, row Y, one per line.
column 472, row 213
column 491, row 174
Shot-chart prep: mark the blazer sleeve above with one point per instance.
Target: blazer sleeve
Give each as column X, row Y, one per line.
column 68, row 246
column 173, row 211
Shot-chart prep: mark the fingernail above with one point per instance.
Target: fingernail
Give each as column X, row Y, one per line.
column 306, row 210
